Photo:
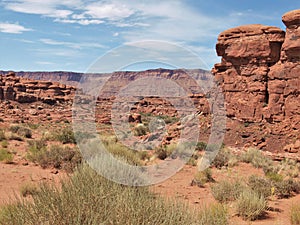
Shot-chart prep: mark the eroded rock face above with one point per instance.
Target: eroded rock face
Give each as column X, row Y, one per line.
column 291, row 45
column 247, row 52
column 260, row 76
column 24, row 90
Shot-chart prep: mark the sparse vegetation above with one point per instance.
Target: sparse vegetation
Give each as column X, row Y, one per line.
column 251, row 205
column 261, row 185
column 224, row 158
column 257, row 159
column 6, row 156
column 66, row 136
column 295, row 215
column 2, row 135
column 226, row 191
column 140, row 130
column 87, row 198
column 202, row 177
column 28, row 189
column 215, row 214
column 4, row 144
column 287, row 188
column 21, row 131
column 16, row 137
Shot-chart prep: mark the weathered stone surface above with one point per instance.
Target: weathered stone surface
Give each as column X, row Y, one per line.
column 260, row 76
column 291, row 45
column 24, row 90
column 250, row 44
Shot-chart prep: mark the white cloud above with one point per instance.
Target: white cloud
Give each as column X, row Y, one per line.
column 72, row 44
column 108, row 11
column 25, row 41
column 12, row 28
column 81, row 21
column 44, row 63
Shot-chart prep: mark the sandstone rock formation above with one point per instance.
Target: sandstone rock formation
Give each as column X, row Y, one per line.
column 24, row 90
column 259, row 74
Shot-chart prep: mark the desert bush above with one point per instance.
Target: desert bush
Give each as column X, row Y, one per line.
column 20, row 130
column 88, row 198
column 16, row 137
column 140, row 130
column 286, row 188
column 226, row 191
column 60, row 157
column 66, row 136
column 28, row 189
column 257, row 159
column 201, row 146
column 33, row 126
column 143, row 155
column 161, row 152
column 214, row 214
column 274, row 177
column 6, row 156
column 202, row 177
column 261, row 185
column 169, row 119
column 295, row 215
column 250, row 205
column 36, row 150
column 4, row 144
column 193, row 160
column 224, row 158
column 2, row 135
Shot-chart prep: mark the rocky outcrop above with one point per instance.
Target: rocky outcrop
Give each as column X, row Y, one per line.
column 247, row 54
column 24, row 90
column 63, row 77
column 260, row 76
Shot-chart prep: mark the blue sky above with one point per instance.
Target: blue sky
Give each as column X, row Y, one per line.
column 70, row 35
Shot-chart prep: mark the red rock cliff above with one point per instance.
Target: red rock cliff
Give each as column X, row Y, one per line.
column 260, row 75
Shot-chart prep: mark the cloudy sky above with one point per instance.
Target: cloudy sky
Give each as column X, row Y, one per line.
column 51, row 35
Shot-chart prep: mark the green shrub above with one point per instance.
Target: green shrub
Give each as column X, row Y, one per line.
column 4, row 144
column 2, row 135
column 287, row 188
column 201, row 146
column 224, row 158
column 60, row 157
column 6, row 156
column 15, row 137
column 36, row 150
column 214, row 214
column 143, row 155
column 161, row 153
column 140, row 130
column 88, row 198
column 295, row 215
column 28, row 189
column 33, row 126
column 22, row 131
column 250, row 205
column 226, row 191
column 274, row 177
column 261, row 185
column 202, row 177
column 257, row 159
column 66, row 136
